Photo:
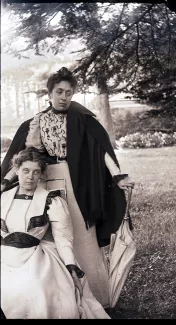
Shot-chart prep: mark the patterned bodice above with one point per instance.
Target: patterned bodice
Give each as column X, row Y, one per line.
column 53, row 133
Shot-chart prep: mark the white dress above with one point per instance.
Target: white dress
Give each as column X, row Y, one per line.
column 35, row 284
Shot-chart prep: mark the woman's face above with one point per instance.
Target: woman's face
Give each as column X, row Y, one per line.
column 61, row 95
column 28, row 174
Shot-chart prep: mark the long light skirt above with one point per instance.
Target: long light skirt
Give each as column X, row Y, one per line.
column 42, row 288
column 86, row 249
column 39, row 288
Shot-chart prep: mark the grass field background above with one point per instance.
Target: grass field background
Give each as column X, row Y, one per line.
column 150, row 289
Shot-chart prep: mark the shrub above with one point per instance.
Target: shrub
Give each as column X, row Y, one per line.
column 148, row 140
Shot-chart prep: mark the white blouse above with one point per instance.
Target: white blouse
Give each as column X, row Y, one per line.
column 16, row 217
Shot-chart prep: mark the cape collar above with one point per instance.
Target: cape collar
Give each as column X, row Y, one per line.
column 37, row 204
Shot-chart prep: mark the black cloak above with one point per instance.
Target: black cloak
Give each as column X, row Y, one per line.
column 87, row 142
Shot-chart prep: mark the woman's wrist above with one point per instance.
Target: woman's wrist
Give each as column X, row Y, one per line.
column 117, row 178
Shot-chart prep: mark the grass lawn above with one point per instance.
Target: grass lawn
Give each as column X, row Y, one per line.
column 150, row 289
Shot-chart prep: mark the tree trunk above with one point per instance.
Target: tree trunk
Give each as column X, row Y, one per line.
column 38, row 101
column 104, row 109
column 17, row 98
column 24, row 99
column 28, row 100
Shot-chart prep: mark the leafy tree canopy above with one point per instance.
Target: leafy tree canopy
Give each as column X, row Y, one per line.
column 125, row 47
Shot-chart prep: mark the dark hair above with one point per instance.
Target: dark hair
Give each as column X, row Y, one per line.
column 62, row 75
column 29, row 154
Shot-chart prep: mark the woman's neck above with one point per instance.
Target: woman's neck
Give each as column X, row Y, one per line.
column 22, row 190
column 60, row 111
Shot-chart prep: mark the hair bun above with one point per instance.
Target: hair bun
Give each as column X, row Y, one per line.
column 61, row 75
column 63, row 72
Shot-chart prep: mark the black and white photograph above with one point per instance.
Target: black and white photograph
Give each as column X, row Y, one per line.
column 88, row 160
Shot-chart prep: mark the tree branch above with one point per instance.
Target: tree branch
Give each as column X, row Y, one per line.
column 101, row 48
column 115, row 89
column 111, row 46
column 136, row 21
column 137, row 44
column 151, row 53
column 169, row 27
column 106, row 8
column 91, row 59
column 152, row 33
column 54, row 15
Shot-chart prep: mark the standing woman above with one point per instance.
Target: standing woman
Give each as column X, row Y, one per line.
column 77, row 148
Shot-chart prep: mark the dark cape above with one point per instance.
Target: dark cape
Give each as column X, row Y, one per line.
column 87, row 142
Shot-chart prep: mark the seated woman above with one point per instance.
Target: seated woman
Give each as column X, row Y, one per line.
column 40, row 279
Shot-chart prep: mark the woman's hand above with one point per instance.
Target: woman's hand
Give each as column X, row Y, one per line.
column 76, row 274
column 77, row 282
column 126, row 183
column 4, row 184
